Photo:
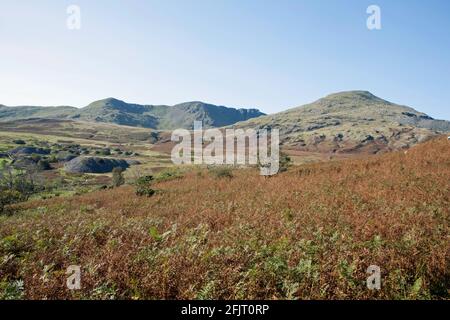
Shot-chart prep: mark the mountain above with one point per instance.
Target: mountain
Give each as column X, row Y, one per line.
column 27, row 112
column 344, row 122
column 160, row 117
column 352, row 121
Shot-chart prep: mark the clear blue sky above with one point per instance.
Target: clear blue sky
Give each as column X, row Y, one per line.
column 243, row 53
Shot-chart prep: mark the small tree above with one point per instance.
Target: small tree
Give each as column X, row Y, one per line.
column 117, row 178
column 27, row 182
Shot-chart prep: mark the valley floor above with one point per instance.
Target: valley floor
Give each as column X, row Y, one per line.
column 309, row 233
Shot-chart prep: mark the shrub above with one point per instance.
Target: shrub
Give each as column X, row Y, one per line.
column 285, row 162
column 52, row 159
column 25, row 181
column 221, row 172
column 145, row 180
column 169, row 174
column 117, row 177
column 11, row 290
column 19, row 141
column 145, row 191
column 43, row 165
column 143, row 186
column 8, row 197
column 35, row 157
column 106, row 152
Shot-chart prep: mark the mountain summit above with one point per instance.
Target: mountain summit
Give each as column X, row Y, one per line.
column 160, row 117
column 348, row 122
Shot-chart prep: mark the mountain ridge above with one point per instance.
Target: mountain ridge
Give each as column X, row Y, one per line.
column 343, row 122
column 349, row 121
column 160, row 117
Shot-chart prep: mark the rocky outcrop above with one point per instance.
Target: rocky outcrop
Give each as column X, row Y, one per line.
column 94, row 165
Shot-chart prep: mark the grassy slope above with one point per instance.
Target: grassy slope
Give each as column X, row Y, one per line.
column 308, row 233
column 26, row 112
column 343, row 121
column 45, row 133
column 148, row 116
column 78, row 130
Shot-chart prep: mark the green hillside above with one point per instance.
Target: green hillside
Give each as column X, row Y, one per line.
column 27, row 112
column 115, row 111
column 350, row 121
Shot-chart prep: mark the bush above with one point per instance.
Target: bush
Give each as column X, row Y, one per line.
column 43, row 165
column 35, row 157
column 106, row 152
column 143, row 186
column 117, row 177
column 169, row 174
column 8, row 197
column 145, row 180
column 145, row 191
column 25, row 181
column 11, row 290
column 19, row 141
column 221, row 172
column 52, row 159
column 285, row 162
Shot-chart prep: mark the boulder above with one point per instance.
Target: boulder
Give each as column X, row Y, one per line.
column 133, row 162
column 65, row 156
column 94, row 165
column 29, row 151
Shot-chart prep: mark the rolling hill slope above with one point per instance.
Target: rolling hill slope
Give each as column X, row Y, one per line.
column 315, row 228
column 160, row 117
column 345, row 122
column 353, row 121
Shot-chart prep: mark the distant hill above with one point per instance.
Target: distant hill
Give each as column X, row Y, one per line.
column 353, row 121
column 160, row 117
column 345, row 122
column 29, row 112
column 81, row 130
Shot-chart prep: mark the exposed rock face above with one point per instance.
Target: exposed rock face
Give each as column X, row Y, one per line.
column 29, row 150
column 94, row 165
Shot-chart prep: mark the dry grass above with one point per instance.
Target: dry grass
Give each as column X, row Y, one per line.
column 308, row 233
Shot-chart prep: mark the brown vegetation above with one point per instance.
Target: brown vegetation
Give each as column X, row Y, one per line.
column 310, row 232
